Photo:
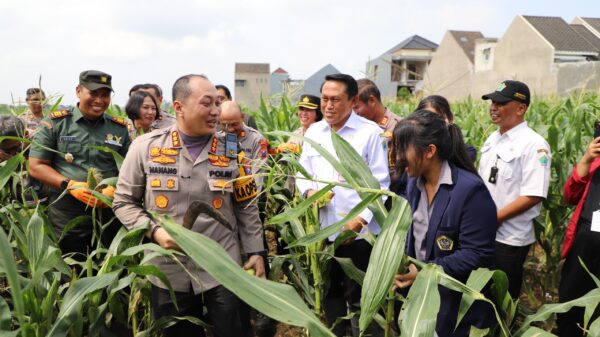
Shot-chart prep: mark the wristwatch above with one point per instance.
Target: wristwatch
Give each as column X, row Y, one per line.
column 64, row 184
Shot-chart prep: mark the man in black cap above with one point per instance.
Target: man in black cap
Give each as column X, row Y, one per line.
column 515, row 166
column 73, row 134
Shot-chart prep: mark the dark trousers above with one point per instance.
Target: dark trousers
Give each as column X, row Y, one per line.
column 223, row 312
column 576, row 282
column 510, row 259
column 79, row 238
column 343, row 292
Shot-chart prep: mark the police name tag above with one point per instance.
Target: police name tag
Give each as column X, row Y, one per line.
column 596, row 221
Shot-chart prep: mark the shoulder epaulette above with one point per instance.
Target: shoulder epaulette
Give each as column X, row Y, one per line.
column 119, row 120
column 59, row 114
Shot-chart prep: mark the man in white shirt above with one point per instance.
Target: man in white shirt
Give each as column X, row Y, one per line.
column 338, row 96
column 515, row 166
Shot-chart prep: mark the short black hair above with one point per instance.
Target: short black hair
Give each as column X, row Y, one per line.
column 33, row 91
column 135, row 102
column 349, row 82
column 225, row 89
column 181, row 88
column 366, row 89
column 147, row 86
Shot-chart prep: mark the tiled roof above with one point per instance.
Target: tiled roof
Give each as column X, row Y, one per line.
column 466, row 40
column 593, row 22
column 587, row 35
column 560, row 34
column 280, row 71
column 414, row 42
column 254, row 68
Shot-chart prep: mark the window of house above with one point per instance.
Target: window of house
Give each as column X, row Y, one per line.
column 240, row 83
column 486, row 54
column 412, row 71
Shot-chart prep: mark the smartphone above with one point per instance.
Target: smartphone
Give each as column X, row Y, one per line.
column 596, row 129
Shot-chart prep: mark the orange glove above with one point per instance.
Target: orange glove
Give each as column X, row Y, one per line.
column 109, row 191
column 80, row 191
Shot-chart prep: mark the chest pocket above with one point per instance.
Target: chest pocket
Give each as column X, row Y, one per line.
column 507, row 163
column 446, row 241
column 69, row 144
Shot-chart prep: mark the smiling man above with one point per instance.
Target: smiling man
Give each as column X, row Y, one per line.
column 74, row 133
column 164, row 172
column 515, row 166
column 338, row 96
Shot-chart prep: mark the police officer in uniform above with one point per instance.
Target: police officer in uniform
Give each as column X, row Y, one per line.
column 251, row 141
column 72, row 133
column 164, row 172
column 369, row 106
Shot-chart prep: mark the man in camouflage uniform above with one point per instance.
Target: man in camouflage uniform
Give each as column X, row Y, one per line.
column 250, row 140
column 73, row 133
column 164, row 172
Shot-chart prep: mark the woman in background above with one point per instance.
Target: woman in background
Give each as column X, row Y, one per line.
column 439, row 104
column 142, row 110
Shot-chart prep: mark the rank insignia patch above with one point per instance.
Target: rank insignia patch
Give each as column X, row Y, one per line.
column 170, row 184
column 161, row 201
column 164, row 160
column 217, row 202
column 154, row 151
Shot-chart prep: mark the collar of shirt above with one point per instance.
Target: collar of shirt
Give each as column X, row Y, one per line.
column 513, row 133
column 445, row 178
column 78, row 116
column 352, row 123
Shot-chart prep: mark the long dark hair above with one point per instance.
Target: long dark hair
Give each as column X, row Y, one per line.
column 439, row 103
column 423, row 128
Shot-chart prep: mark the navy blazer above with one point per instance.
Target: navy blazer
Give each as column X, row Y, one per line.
column 460, row 238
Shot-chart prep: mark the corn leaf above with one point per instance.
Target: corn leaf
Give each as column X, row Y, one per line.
column 9, row 167
column 422, row 305
column 476, row 281
column 334, row 228
column 276, row 300
column 5, row 315
column 385, row 260
column 537, row 332
column 72, row 302
column 360, row 174
column 7, row 261
column 589, row 300
column 301, row 208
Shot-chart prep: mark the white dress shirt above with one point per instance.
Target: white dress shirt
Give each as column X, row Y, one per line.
column 523, row 160
column 367, row 139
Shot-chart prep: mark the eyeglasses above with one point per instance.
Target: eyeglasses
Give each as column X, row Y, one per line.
column 34, row 101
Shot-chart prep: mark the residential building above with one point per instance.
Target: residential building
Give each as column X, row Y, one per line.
column 547, row 53
column 403, row 66
column 252, row 80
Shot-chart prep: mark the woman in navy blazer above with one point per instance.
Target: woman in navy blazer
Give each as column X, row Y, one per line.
column 454, row 216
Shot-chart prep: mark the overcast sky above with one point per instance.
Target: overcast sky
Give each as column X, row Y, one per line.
column 158, row 41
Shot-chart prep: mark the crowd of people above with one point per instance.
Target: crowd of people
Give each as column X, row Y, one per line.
column 464, row 217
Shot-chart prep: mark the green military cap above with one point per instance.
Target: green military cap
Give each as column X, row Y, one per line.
column 94, row 80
